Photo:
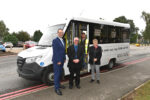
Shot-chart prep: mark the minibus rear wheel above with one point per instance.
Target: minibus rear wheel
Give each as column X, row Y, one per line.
column 48, row 76
column 111, row 64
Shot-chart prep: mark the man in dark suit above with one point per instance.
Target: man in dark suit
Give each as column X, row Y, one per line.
column 58, row 59
column 75, row 53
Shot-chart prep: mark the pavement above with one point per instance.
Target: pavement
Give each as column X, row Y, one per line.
column 14, row 49
column 114, row 84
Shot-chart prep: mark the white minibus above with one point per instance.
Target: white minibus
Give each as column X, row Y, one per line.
column 36, row 63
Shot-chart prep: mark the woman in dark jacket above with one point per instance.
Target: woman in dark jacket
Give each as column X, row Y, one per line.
column 95, row 53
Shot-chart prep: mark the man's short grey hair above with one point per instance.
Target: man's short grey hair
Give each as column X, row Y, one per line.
column 76, row 38
column 59, row 29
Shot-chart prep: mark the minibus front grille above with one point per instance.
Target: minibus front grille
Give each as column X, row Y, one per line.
column 27, row 71
column 20, row 62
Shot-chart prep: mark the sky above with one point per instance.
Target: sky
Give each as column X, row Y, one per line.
column 31, row 15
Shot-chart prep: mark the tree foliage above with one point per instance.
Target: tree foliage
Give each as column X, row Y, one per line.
column 133, row 29
column 23, row 36
column 37, row 35
column 133, row 38
column 121, row 19
column 3, row 29
column 15, row 34
column 11, row 38
column 146, row 32
column 146, row 17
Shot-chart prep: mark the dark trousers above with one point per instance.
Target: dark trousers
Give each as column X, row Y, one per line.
column 58, row 69
column 75, row 69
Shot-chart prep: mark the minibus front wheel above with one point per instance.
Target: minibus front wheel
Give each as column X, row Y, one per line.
column 48, row 76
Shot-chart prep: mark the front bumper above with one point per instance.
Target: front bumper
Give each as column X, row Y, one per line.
column 31, row 71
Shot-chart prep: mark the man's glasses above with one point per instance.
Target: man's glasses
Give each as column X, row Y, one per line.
column 76, row 40
column 60, row 32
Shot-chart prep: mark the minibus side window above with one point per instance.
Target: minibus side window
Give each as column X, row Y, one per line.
column 68, row 36
column 125, row 35
column 118, row 35
column 99, row 32
column 104, row 36
column 80, row 27
column 74, row 30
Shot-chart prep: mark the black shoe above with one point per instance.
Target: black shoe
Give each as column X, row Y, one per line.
column 92, row 80
column 70, row 86
column 98, row 81
column 62, row 86
column 58, row 92
column 78, row 86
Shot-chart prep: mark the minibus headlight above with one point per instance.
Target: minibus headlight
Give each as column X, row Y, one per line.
column 33, row 59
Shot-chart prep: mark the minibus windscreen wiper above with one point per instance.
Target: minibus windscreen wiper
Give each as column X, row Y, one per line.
column 44, row 45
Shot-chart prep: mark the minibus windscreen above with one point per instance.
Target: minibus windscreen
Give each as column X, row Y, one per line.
column 48, row 37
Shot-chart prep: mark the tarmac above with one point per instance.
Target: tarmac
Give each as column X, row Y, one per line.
column 114, row 84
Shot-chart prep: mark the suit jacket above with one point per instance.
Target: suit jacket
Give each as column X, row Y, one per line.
column 71, row 54
column 59, row 54
column 95, row 53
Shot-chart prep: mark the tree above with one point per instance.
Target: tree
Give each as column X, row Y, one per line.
column 3, row 30
column 37, row 35
column 15, row 34
column 11, row 38
column 136, row 31
column 146, row 17
column 23, row 36
column 133, row 38
column 132, row 26
column 123, row 19
column 146, row 32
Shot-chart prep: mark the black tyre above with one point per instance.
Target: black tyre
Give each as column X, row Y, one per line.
column 111, row 64
column 48, row 76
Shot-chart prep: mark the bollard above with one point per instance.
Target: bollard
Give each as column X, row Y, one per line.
column 10, row 47
column 24, row 47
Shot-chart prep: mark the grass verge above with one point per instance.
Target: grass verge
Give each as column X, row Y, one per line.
column 141, row 93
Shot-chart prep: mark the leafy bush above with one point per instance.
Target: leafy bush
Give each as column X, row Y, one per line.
column 11, row 38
